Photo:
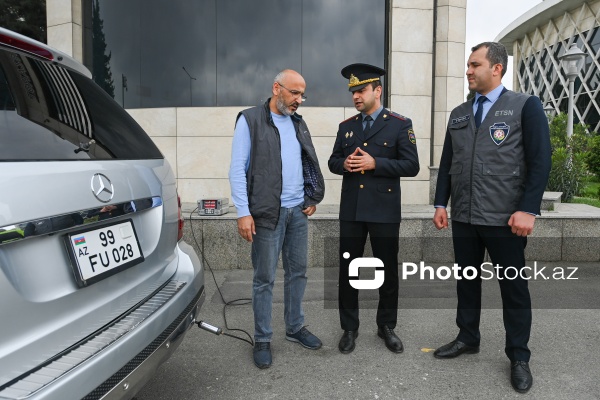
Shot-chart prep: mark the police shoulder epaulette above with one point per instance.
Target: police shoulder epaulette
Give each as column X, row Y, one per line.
column 396, row 115
column 352, row 117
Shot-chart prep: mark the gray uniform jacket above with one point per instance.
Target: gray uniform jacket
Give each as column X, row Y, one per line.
column 498, row 169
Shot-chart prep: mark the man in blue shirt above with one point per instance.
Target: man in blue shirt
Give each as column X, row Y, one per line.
column 276, row 184
column 495, row 166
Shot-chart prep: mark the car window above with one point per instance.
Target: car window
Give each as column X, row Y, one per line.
column 50, row 113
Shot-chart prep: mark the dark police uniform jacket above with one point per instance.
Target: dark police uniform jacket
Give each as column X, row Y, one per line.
column 498, row 169
column 374, row 195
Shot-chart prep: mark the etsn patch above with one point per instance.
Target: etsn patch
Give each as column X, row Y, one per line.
column 499, row 132
column 460, row 119
column 411, row 136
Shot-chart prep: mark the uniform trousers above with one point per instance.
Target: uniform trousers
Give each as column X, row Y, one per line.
column 505, row 250
column 384, row 243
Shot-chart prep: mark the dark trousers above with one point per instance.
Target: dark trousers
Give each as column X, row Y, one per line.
column 384, row 242
column 506, row 250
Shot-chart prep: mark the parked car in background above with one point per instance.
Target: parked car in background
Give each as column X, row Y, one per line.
column 97, row 288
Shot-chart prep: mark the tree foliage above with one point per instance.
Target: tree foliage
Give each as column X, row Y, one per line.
column 101, row 61
column 592, row 158
column 27, row 17
column 568, row 157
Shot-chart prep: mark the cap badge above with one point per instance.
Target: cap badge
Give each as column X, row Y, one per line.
column 353, row 80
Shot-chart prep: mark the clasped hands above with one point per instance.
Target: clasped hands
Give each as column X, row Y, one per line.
column 360, row 160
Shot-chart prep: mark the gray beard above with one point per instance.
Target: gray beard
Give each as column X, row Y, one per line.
column 282, row 108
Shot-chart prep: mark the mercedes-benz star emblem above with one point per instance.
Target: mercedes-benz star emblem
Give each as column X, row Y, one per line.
column 102, row 188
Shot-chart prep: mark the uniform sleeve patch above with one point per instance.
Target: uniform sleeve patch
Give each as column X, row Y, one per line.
column 411, row 136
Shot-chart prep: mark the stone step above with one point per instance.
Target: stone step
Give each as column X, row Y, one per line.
column 570, row 232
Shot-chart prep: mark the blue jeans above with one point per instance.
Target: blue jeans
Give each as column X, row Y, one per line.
column 290, row 239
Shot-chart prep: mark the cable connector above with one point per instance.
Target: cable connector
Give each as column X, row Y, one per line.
column 210, row 328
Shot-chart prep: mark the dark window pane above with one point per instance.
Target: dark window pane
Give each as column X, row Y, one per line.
column 522, row 68
column 256, row 40
column 537, row 78
column 153, row 53
column 594, row 40
column 593, row 117
column 558, row 90
column 544, row 57
column 177, row 50
column 563, row 105
column 558, row 51
column 323, row 59
column 543, row 95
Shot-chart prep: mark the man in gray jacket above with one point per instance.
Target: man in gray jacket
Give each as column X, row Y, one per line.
column 495, row 166
column 276, row 184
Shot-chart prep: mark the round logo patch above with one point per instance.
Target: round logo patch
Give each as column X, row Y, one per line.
column 499, row 132
column 499, row 135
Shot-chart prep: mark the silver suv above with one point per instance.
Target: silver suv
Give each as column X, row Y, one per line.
column 96, row 286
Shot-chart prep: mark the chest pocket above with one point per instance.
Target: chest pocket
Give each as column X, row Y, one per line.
column 458, row 134
column 348, row 145
column 386, row 147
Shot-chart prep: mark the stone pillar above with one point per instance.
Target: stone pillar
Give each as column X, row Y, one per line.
column 449, row 76
column 64, row 27
column 410, row 76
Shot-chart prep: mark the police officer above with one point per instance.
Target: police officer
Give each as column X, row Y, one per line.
column 495, row 165
column 372, row 150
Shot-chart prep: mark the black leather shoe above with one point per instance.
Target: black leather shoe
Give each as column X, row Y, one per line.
column 347, row 341
column 392, row 342
column 455, row 349
column 520, row 376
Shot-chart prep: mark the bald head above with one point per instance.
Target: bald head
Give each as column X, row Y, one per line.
column 288, row 74
column 288, row 89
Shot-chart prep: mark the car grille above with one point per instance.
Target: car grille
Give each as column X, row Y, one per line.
column 28, row 384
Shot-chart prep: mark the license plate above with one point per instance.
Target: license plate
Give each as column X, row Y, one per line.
column 98, row 253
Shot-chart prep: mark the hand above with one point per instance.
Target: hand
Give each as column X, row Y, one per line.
column 440, row 218
column 246, row 227
column 360, row 160
column 310, row 210
column 521, row 223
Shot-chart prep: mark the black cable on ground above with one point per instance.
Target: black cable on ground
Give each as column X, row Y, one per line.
column 235, row 302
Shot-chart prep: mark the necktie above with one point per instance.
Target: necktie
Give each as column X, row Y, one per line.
column 367, row 127
column 479, row 113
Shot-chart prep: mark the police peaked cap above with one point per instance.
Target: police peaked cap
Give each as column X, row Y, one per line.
column 359, row 75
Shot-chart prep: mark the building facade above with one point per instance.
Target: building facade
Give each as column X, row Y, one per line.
column 185, row 69
column 539, row 37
